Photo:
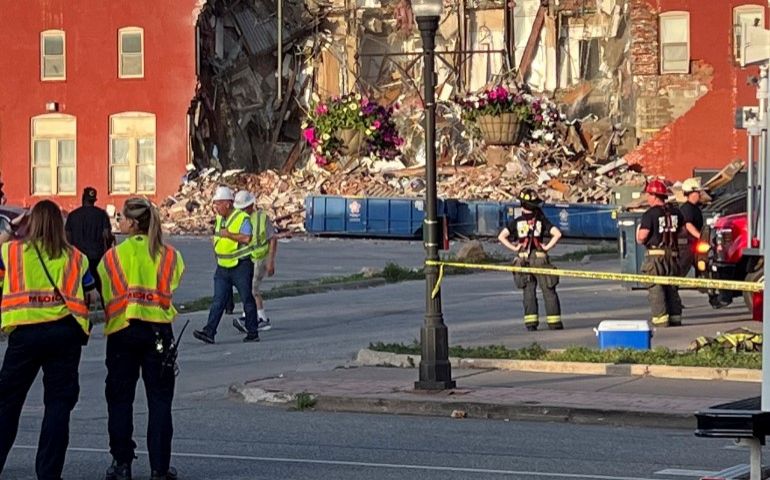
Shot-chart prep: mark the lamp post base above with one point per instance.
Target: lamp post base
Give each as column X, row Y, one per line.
column 435, row 369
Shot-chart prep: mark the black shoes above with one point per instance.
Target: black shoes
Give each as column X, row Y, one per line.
column 251, row 338
column 532, row 328
column 118, row 471
column 203, row 336
column 170, row 475
column 556, row 326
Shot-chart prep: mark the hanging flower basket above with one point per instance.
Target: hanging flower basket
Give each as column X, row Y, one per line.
column 502, row 129
column 352, row 139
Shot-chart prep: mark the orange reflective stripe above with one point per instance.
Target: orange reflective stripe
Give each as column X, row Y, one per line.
column 118, row 279
column 115, row 306
column 16, row 267
column 72, row 274
column 166, row 273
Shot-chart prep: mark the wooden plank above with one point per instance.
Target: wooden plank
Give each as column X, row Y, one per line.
column 534, row 37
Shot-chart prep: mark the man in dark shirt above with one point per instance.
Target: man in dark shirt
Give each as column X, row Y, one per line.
column 89, row 230
column 525, row 235
column 658, row 230
column 693, row 224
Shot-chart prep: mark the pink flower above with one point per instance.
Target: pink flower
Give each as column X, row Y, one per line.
column 538, row 118
column 376, row 124
column 321, row 160
column 321, row 109
column 309, row 134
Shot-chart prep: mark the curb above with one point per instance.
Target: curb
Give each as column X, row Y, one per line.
column 371, row 358
column 329, row 287
column 474, row 410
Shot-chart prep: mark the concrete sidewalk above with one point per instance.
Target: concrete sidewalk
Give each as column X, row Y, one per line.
column 494, row 394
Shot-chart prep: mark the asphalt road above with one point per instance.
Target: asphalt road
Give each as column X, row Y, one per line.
column 222, row 439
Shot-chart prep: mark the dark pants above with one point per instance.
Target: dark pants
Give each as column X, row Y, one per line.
column 665, row 304
column 528, row 283
column 55, row 347
column 129, row 351
column 225, row 279
column 686, row 258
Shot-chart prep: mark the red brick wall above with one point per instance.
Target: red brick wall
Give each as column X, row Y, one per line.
column 703, row 136
column 92, row 91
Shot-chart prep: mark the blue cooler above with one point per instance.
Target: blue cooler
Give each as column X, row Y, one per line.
column 624, row 334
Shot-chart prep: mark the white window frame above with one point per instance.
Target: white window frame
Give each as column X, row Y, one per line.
column 737, row 28
column 124, row 31
column 133, row 152
column 54, row 165
column 49, row 34
column 668, row 16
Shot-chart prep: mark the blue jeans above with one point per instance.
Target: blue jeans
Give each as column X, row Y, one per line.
column 225, row 279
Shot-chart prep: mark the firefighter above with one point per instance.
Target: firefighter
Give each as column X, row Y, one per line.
column 139, row 278
column 658, row 231
column 693, row 224
column 44, row 280
column 528, row 231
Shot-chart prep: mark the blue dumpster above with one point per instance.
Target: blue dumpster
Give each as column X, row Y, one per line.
column 374, row 217
column 575, row 220
column 477, row 219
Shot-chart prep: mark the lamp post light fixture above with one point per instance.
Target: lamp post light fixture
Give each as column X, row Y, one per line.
column 435, row 369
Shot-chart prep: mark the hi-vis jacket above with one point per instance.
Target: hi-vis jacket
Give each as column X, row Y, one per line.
column 259, row 242
column 28, row 296
column 227, row 251
column 136, row 286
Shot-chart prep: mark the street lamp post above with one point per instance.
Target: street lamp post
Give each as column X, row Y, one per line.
column 435, row 370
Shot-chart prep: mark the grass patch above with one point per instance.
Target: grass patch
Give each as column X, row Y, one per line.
column 304, row 401
column 710, row 357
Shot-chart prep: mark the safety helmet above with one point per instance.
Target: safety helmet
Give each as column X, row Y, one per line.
column 529, row 198
column 656, row 187
column 223, row 193
column 691, row 185
column 243, row 199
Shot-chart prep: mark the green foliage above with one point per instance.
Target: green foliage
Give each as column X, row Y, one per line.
column 304, row 401
column 709, row 357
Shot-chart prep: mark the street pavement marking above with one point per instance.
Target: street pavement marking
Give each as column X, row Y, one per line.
column 312, row 461
column 685, row 473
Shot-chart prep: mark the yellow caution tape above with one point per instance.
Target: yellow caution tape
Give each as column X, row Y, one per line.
column 617, row 277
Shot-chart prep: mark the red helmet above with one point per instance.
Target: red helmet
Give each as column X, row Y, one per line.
column 656, row 187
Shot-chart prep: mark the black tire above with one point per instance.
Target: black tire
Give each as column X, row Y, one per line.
column 755, row 276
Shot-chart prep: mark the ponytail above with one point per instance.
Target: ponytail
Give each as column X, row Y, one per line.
column 147, row 219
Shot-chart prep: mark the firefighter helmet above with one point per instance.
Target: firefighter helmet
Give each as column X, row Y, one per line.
column 691, row 185
column 529, row 198
column 657, row 187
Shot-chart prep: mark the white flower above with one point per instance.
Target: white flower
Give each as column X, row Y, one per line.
column 537, row 134
column 549, row 137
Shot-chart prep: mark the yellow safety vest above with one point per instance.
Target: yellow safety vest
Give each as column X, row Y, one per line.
column 28, row 296
column 137, row 286
column 227, row 251
column 259, row 236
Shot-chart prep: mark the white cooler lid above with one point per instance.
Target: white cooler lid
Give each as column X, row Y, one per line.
column 624, row 325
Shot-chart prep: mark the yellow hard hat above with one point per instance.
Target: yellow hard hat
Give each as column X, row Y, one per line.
column 691, row 185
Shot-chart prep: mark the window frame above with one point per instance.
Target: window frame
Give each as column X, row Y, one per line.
column 738, row 11
column 54, row 163
column 127, row 31
column 48, row 34
column 676, row 14
column 133, row 153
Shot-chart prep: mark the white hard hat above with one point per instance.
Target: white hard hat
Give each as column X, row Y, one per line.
column 691, row 185
column 243, row 199
column 223, row 193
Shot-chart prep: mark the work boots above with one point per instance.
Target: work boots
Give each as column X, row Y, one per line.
column 170, row 475
column 118, row 471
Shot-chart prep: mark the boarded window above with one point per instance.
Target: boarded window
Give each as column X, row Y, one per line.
column 131, row 53
column 54, row 155
column 132, row 153
column 745, row 15
column 675, row 42
column 52, row 56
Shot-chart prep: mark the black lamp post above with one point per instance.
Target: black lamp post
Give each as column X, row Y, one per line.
column 435, row 370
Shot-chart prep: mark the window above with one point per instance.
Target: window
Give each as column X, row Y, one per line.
column 131, row 52
column 54, row 156
column 52, row 56
column 751, row 15
column 675, row 42
column 132, row 153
